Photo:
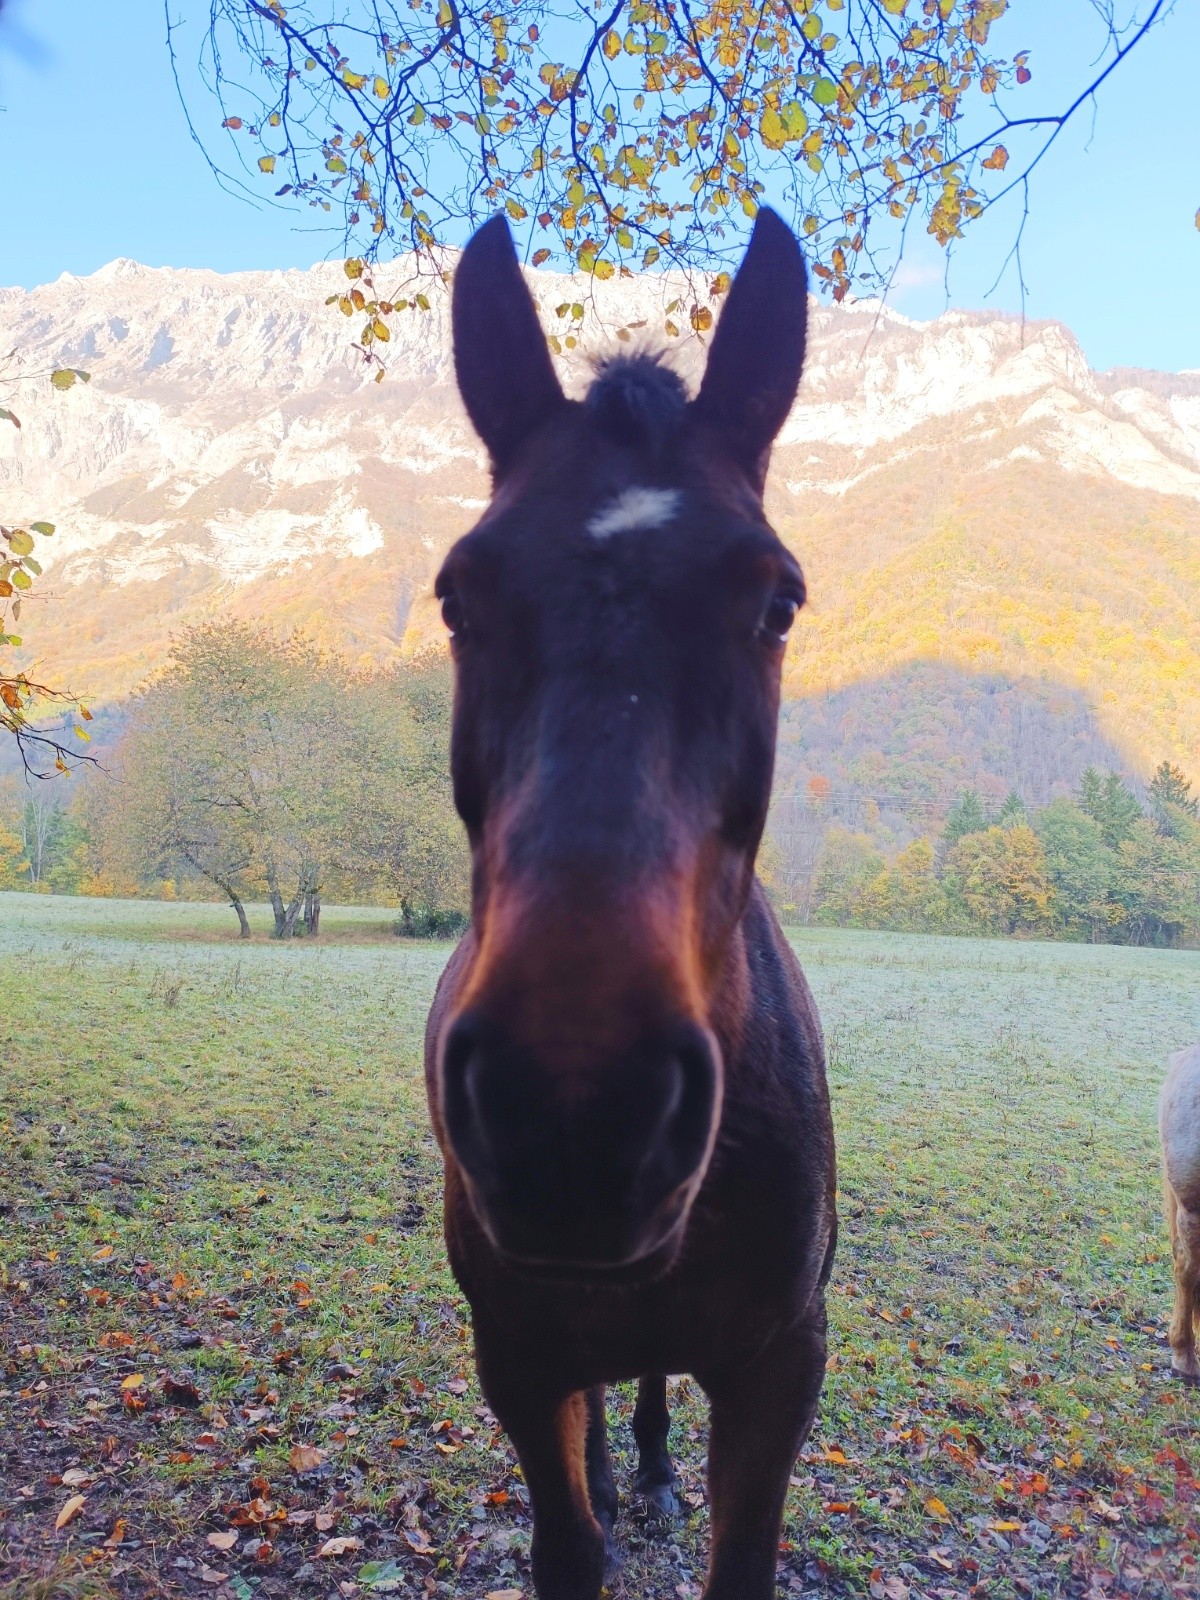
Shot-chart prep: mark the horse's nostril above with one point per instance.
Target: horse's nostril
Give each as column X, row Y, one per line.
column 687, row 1125
column 460, row 1090
column 578, row 1165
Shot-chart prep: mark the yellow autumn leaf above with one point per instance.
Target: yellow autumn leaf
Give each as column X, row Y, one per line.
column 937, row 1508
column 266, row 163
column 381, row 88
column 773, row 130
column 380, row 329
column 353, row 80
column 340, row 1546
column 135, row 1380
column 71, row 1509
column 612, row 44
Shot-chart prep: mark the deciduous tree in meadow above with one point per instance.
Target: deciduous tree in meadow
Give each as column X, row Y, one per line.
column 1156, row 884
column 1080, row 867
column 907, row 894
column 161, row 811
column 264, row 766
column 1000, row 876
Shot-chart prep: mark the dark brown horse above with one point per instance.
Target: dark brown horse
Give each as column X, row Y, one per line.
column 624, row 1062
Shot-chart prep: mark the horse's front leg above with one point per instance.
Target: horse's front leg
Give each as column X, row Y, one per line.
column 549, row 1433
column 761, row 1415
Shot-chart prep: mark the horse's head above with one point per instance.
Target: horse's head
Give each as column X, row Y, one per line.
column 618, row 620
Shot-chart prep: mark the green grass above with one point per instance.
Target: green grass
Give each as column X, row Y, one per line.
column 215, row 1167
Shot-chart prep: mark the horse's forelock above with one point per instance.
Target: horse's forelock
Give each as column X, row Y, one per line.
column 637, row 401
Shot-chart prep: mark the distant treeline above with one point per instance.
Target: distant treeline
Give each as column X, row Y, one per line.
column 256, row 768
column 1097, row 866
column 260, row 768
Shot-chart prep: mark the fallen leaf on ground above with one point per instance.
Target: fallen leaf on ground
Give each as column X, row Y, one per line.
column 135, row 1380
column 340, row 1546
column 937, row 1508
column 120, row 1528
column 180, row 1391
column 223, row 1541
column 71, row 1509
column 76, row 1478
column 882, row 1588
column 211, row 1575
column 304, row 1457
column 323, row 1521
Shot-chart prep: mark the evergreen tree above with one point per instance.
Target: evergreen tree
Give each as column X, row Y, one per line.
column 1171, row 799
column 966, row 816
column 1108, row 802
column 1012, row 812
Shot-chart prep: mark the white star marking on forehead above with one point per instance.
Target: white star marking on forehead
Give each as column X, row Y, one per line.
column 638, row 507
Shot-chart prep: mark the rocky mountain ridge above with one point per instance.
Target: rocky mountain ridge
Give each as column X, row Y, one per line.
column 232, row 452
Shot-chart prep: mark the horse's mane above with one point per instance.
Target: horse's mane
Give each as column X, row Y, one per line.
column 637, row 400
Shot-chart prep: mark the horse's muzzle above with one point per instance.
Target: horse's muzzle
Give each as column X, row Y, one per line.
column 581, row 1162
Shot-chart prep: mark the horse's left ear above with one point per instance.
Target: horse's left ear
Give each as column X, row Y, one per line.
column 504, row 371
column 757, row 352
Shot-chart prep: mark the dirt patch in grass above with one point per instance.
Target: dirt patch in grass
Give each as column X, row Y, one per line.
column 235, row 1363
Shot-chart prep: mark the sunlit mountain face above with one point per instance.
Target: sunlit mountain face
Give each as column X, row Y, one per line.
column 977, row 512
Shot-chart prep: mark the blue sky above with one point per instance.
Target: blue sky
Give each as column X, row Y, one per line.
column 96, row 162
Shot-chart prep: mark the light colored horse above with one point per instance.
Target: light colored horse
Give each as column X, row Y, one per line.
column 1179, row 1129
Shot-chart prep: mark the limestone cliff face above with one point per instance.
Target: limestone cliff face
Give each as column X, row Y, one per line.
column 232, row 453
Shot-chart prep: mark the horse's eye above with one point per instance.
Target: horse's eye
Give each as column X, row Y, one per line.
column 779, row 616
column 452, row 614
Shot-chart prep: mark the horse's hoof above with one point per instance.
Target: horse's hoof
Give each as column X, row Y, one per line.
column 661, row 1499
column 613, row 1559
column 1186, row 1372
column 613, row 1562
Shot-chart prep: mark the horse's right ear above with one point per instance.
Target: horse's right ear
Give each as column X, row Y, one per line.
column 501, row 361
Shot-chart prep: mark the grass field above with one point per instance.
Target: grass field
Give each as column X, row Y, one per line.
column 228, row 1327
